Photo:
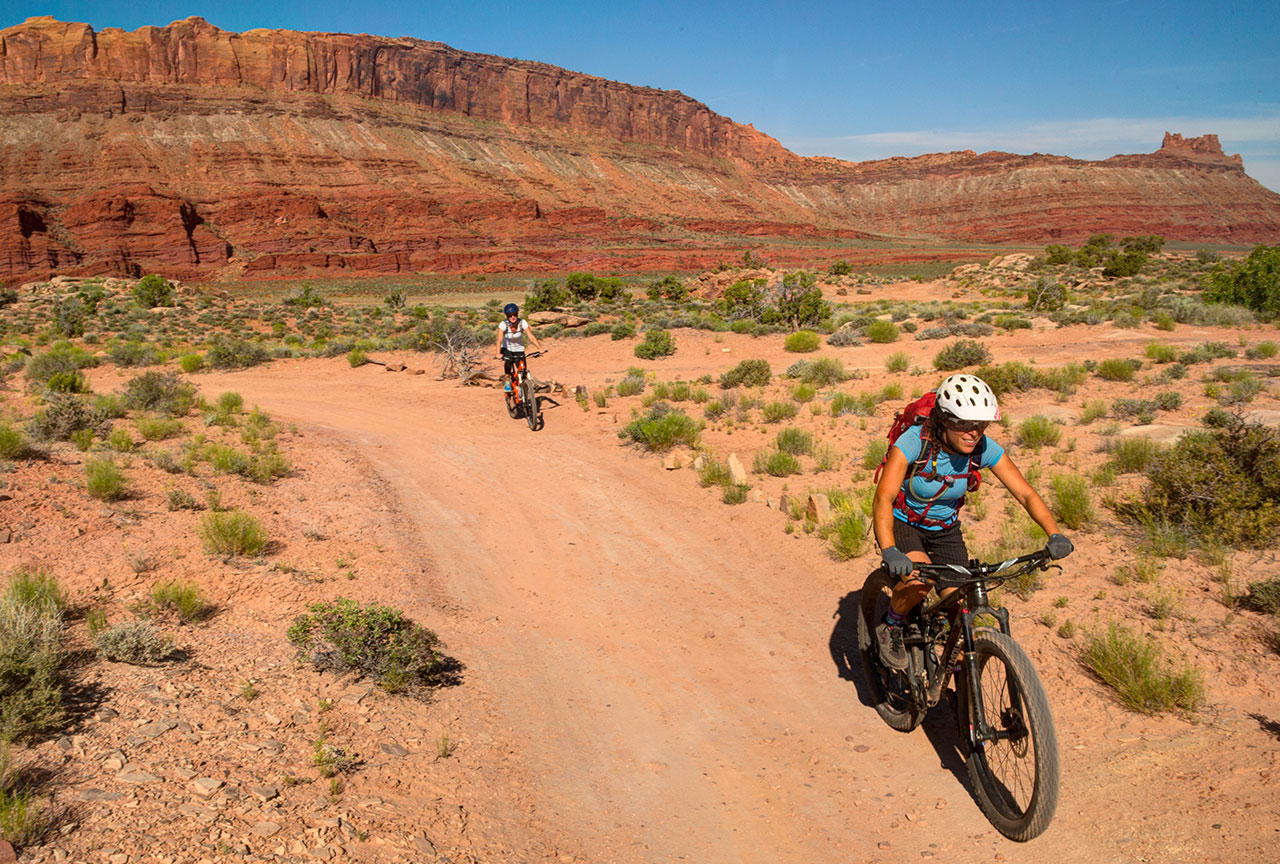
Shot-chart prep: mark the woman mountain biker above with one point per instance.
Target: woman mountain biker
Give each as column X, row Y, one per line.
column 917, row 500
column 511, row 333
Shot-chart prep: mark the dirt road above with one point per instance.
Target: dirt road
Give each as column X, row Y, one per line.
column 676, row 669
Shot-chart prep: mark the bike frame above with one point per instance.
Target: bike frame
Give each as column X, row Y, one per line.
column 973, row 599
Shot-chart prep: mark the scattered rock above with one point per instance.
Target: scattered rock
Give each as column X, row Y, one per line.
column 265, row 793
column 206, row 786
column 138, row 777
column 737, row 474
column 394, row 749
column 265, row 829
column 96, row 795
column 818, row 510
column 673, row 461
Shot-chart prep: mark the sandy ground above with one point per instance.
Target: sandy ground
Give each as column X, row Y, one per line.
column 677, row 670
column 654, row 676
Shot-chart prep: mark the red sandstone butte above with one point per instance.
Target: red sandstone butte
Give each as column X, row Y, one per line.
column 200, row 153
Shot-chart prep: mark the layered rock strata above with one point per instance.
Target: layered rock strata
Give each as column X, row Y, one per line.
column 202, row 153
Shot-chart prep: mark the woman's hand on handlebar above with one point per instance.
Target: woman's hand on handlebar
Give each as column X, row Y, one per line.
column 896, row 563
column 1059, row 546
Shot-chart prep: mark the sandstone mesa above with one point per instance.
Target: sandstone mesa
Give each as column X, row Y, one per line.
column 206, row 154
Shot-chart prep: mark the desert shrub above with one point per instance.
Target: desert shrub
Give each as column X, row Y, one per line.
column 802, row 342
column 881, row 331
column 547, row 294
column 157, row 428
column 1168, row 400
column 165, row 392
column 873, row 454
column 822, row 372
column 1139, row 673
column 748, row 373
column 1117, row 369
column 61, row 357
column 840, row 268
column 804, row 392
column 24, row 817
column 1264, row 595
column 1220, row 485
column 227, row 353
column 31, row 656
column 775, row 463
column 375, row 641
column 120, row 440
column 898, row 361
column 775, row 412
column 1142, row 411
column 1206, row 352
column 1071, row 501
column 662, row 428
column 177, row 498
column 622, row 330
column 1161, row 352
column 1038, row 431
column 794, row 441
column 357, row 358
column 846, row 534
column 844, row 339
column 104, row 480
column 232, row 532
column 1046, row 295
column 1264, row 350
column 13, row 444
column 1253, row 282
column 1241, row 390
column 631, row 385
column 656, row 343
column 667, row 288
column 229, row 402
column 133, row 353
column 67, row 382
column 713, row 473
column 182, row 597
column 190, row 363
column 961, row 353
column 137, row 642
column 1093, row 409
column 153, row 290
column 1133, row 455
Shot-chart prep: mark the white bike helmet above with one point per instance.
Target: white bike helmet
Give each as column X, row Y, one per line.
column 967, row 397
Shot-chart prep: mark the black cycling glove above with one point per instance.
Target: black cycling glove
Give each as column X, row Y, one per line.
column 896, row 563
column 1059, row 546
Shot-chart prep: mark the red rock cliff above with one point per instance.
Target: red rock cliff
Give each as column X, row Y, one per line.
column 201, row 153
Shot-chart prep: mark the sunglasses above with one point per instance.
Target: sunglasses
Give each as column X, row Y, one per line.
column 967, row 425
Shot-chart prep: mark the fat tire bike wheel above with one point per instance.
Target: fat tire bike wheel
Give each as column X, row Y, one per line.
column 530, row 403
column 890, row 688
column 1014, row 776
column 513, row 406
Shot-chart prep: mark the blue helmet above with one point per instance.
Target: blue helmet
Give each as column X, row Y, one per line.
column 511, row 309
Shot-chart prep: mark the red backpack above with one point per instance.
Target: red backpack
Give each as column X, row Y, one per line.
column 914, row 414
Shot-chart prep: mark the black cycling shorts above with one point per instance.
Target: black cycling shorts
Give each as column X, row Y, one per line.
column 509, row 359
column 944, row 546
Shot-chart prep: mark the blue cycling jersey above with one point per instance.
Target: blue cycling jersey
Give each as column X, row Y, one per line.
column 941, row 500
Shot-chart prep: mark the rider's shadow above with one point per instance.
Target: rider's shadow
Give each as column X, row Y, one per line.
column 939, row 724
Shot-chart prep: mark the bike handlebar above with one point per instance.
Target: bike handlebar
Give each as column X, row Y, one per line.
column 955, row 574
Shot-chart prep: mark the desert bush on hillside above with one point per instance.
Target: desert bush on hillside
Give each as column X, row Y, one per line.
column 1219, row 485
column 153, row 290
column 1072, row 504
column 62, row 357
column 547, row 294
column 667, row 288
column 375, row 641
column 662, row 428
column 1038, row 431
column 164, row 392
column 748, row 373
column 232, row 532
column 798, row 302
column 304, row 297
column 656, row 343
column 822, row 372
column 137, row 642
column 882, row 332
column 802, row 342
column 1118, row 369
column 65, row 414
column 1253, row 282
column 182, row 597
column 227, row 353
column 1140, row 674
column 31, row 656
column 1046, row 295
column 13, row 444
column 961, row 353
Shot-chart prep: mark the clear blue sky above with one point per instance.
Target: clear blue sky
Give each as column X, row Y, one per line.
column 859, row 80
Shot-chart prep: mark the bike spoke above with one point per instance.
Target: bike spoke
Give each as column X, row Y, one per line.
column 1011, row 757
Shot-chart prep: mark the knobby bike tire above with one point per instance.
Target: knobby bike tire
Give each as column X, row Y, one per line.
column 513, row 407
column 530, row 403
column 1016, row 779
column 889, row 688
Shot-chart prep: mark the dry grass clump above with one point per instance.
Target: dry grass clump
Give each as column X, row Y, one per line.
column 1138, row 671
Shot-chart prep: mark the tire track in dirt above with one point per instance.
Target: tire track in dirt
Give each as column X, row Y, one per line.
column 667, row 660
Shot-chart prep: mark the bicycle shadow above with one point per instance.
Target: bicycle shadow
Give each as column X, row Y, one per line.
column 938, row 725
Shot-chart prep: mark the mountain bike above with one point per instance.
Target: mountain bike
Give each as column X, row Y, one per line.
column 1002, row 715
column 521, row 400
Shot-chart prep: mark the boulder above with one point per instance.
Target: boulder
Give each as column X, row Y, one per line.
column 737, row 474
column 818, row 510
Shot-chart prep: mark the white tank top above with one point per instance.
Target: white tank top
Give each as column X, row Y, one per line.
column 513, row 338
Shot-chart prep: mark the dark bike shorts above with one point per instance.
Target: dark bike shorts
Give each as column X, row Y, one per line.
column 509, row 359
column 945, row 546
